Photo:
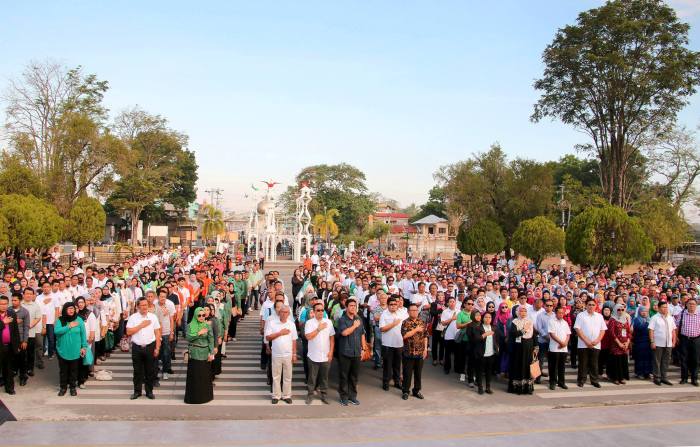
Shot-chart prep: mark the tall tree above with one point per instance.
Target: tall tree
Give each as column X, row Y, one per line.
column 480, row 238
column 537, row 238
column 620, row 74
column 28, row 222
column 325, row 223
column 488, row 187
column 212, row 220
column 435, row 205
column 150, row 167
column 55, row 121
column 17, row 178
column 86, row 221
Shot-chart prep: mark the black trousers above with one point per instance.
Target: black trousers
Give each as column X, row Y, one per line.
column 348, row 371
column 588, row 364
column 556, row 363
column 144, row 366
column 68, row 372
column 689, row 353
column 29, row 353
column 483, row 366
column 6, row 361
column 391, row 357
column 412, row 371
column 20, row 362
column 450, row 347
column 438, row 346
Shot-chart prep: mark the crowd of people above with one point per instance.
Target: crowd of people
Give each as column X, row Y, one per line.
column 482, row 322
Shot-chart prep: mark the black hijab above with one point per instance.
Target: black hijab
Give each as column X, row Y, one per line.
column 85, row 313
column 65, row 318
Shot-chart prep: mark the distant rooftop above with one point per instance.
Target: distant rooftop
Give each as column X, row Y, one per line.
column 430, row 220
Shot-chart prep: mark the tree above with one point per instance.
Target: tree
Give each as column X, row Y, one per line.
column 17, row 178
column 340, row 187
column 55, row 121
column 607, row 237
column 325, row 224
column 663, row 223
column 150, row 166
column 435, row 204
column 620, row 74
column 537, row 238
column 212, row 221
column 480, row 238
column 488, row 187
column 28, row 222
column 583, row 170
column 377, row 231
column 86, row 221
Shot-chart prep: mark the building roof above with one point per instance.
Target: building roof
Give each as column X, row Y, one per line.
column 430, row 220
column 396, row 229
column 394, row 215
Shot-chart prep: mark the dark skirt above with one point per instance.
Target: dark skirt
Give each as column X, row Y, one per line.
column 519, row 380
column 216, row 363
column 199, row 388
column 618, row 368
column 642, row 355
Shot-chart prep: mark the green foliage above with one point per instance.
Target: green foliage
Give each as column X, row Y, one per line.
column 17, row 178
column 663, row 223
column 324, row 223
column 86, row 221
column 183, row 190
column 689, row 268
column 584, row 170
column 537, row 238
column 28, row 222
column 377, row 231
column 607, row 237
column 488, row 187
column 212, row 221
column 435, row 205
column 340, row 186
column 620, row 74
column 481, row 238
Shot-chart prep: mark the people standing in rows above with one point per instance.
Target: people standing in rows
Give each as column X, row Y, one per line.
column 590, row 328
column 282, row 335
column 144, row 329
column 415, row 349
column 320, row 334
column 351, row 342
column 520, row 339
column 620, row 332
column 392, row 342
column 559, row 334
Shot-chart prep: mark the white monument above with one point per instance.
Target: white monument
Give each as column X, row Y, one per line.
column 303, row 218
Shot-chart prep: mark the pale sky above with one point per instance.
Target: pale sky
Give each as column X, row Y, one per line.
column 264, row 89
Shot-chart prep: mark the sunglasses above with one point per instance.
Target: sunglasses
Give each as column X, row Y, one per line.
column 200, row 315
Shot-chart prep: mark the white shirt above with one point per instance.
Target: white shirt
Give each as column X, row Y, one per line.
column 488, row 346
column 392, row 338
column 147, row 335
column 451, row 330
column 560, row 329
column 48, row 309
column 421, row 299
column 590, row 325
column 663, row 330
column 282, row 345
column 91, row 325
column 320, row 345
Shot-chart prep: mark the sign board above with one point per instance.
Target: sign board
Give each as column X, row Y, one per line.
column 158, row 231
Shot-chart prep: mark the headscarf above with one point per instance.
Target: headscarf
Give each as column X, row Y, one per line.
column 195, row 325
column 621, row 317
column 639, row 316
column 502, row 316
column 85, row 313
column 65, row 318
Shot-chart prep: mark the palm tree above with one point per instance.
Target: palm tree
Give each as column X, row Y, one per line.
column 212, row 221
column 377, row 231
column 325, row 224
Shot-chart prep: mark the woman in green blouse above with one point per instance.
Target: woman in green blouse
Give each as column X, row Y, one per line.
column 71, row 344
column 199, row 388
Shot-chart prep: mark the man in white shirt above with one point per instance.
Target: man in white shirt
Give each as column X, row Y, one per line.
column 49, row 308
column 34, row 343
column 144, row 329
column 319, row 332
column 590, row 327
column 559, row 334
column 283, row 335
column 662, row 334
column 392, row 342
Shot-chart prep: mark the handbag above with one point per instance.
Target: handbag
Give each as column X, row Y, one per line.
column 366, row 354
column 124, row 344
column 88, row 358
column 459, row 336
column 109, row 340
column 103, row 375
column 535, row 370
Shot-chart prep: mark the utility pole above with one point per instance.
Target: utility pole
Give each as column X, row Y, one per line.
column 212, row 193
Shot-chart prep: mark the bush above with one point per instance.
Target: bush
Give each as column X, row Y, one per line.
column 689, row 267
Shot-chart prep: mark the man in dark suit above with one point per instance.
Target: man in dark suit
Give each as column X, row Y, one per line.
column 9, row 343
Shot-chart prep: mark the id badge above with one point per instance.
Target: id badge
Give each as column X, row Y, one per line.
column 519, row 339
column 624, row 332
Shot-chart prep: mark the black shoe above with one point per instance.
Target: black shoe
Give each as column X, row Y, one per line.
column 435, row 362
column 552, row 386
column 30, row 373
column 274, row 401
column 287, row 400
column 418, row 395
column 563, row 386
column 595, row 384
column 170, row 371
column 324, row 399
column 150, row 396
column 404, row 396
column 538, row 380
column 580, row 384
column 308, row 399
column 694, row 382
column 657, row 382
column 73, row 392
column 683, row 382
column 354, row 401
column 481, row 390
column 23, row 381
column 398, row 386
column 343, row 402
column 62, row 392
column 12, row 392
column 156, row 384
column 385, row 387
column 135, row 396
column 666, row 382
column 488, row 391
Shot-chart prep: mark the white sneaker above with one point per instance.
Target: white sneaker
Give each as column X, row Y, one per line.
column 81, row 386
column 233, row 339
column 462, row 377
column 165, row 376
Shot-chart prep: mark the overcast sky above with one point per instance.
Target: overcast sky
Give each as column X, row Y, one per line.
column 264, row 89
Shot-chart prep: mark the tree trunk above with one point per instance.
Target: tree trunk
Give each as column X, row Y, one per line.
column 135, row 212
